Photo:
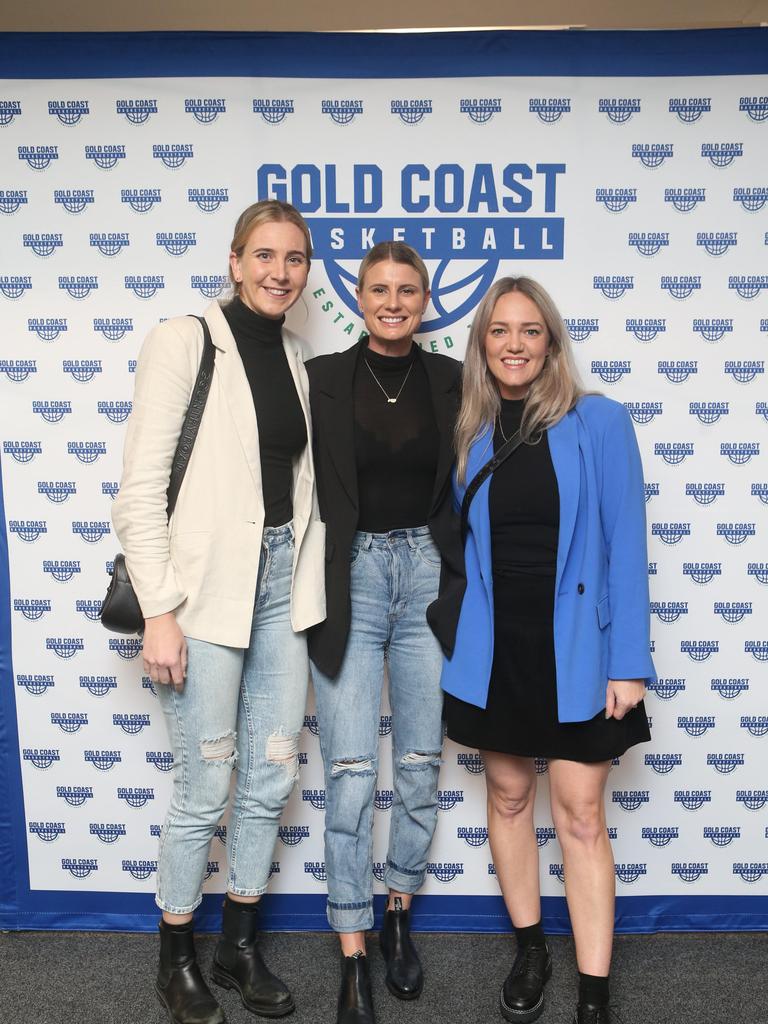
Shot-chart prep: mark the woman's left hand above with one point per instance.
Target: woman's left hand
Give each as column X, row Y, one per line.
column 622, row 695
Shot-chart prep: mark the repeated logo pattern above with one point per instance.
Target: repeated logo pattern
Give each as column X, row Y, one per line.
column 656, row 258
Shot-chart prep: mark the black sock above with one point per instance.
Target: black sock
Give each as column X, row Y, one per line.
column 593, row 990
column 533, row 935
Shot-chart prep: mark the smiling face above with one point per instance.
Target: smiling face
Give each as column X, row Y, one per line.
column 272, row 270
column 392, row 300
column 516, row 344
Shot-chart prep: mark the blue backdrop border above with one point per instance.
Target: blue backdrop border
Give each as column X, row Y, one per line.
column 95, row 911
column 549, row 54
column 14, row 863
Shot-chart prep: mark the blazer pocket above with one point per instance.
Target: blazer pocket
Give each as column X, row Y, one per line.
column 189, row 553
column 330, row 548
column 603, row 612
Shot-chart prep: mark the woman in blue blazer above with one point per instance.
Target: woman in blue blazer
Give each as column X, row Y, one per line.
column 551, row 648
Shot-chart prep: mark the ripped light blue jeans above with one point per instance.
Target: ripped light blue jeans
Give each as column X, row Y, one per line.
column 394, row 576
column 239, row 710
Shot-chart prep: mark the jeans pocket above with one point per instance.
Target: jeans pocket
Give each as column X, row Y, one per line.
column 354, row 553
column 428, row 552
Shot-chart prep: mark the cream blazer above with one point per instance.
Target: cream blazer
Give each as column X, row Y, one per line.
column 203, row 564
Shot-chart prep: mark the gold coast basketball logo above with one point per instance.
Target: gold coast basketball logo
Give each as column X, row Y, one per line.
column 463, row 219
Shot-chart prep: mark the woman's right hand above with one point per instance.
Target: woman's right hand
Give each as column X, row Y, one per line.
column 165, row 650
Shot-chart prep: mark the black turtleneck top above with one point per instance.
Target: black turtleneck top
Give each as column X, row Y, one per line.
column 396, row 443
column 280, row 419
column 523, row 502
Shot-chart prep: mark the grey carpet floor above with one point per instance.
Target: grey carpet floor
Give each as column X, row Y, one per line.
column 98, row 978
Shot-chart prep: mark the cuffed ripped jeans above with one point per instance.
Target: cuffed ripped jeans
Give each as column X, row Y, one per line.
column 394, row 576
column 239, row 709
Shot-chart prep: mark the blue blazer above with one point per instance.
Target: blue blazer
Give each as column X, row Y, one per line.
column 601, row 614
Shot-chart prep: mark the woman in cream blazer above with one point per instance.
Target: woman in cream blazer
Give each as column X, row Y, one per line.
column 227, row 589
column 203, row 565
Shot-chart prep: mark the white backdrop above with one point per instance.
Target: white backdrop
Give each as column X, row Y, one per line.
column 640, row 203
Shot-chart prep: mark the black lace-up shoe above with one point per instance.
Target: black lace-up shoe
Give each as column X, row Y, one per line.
column 404, row 977
column 522, row 994
column 586, row 1013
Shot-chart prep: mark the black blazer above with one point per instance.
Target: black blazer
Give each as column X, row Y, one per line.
column 331, row 380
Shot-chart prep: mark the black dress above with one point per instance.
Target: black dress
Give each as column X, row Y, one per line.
column 521, row 714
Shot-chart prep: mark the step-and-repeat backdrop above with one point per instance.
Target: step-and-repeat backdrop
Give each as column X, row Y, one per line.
column 628, row 174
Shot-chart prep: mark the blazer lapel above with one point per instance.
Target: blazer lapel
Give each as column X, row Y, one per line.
column 336, row 403
column 304, row 471
column 564, row 448
column 236, row 390
column 479, row 519
column 444, row 407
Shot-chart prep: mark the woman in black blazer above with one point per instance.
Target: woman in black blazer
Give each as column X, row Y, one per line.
column 383, row 414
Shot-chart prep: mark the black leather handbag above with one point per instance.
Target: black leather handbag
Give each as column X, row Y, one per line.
column 120, row 609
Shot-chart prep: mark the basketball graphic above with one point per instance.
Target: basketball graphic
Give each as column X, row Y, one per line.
column 457, row 288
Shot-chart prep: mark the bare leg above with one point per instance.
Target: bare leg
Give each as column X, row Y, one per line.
column 176, row 918
column 578, row 812
column 511, row 786
column 352, row 942
column 243, row 899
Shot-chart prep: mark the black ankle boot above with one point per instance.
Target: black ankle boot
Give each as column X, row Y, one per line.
column 355, row 1000
column 522, row 994
column 237, row 963
column 587, row 1013
column 404, row 976
column 180, row 986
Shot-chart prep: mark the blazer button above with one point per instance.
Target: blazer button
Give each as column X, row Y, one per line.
column 580, row 588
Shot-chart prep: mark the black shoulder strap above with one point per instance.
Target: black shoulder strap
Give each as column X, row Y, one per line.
column 482, row 475
column 192, row 419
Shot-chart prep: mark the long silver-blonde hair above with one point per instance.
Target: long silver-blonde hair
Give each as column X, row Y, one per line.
column 554, row 392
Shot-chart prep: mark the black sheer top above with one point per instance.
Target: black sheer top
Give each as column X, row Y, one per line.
column 396, row 442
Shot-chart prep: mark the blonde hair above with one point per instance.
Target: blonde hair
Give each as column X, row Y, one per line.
column 267, row 211
column 398, row 252
column 551, row 395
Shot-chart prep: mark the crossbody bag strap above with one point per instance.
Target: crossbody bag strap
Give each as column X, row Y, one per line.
column 193, row 417
column 482, row 475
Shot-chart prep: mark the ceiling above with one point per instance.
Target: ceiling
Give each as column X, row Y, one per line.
column 309, row 15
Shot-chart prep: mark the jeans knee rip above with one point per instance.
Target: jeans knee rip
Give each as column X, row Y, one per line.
column 416, row 761
column 283, row 749
column 353, row 766
column 220, row 750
